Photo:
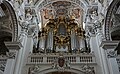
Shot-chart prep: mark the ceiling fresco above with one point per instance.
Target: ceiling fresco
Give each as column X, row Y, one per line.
column 54, row 9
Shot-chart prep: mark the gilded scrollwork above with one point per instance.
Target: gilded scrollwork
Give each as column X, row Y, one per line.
column 61, row 20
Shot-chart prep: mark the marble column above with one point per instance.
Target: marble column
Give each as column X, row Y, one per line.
column 12, row 56
column 9, row 69
column 111, row 54
column 104, row 63
column 20, row 56
column 27, row 43
column 26, row 52
column 96, row 50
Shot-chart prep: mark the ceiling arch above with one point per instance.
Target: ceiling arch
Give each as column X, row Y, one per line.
column 49, row 70
column 48, row 9
column 43, row 3
column 13, row 20
column 108, row 18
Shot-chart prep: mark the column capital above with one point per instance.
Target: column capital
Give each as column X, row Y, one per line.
column 13, row 45
column 109, row 44
column 110, row 47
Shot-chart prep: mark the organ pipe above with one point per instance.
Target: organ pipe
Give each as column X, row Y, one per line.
column 50, row 40
column 74, row 41
column 62, row 34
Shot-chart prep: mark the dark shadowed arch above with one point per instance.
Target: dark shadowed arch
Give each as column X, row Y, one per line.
column 108, row 18
column 8, row 26
column 13, row 20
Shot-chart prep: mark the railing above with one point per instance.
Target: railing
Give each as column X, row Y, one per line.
column 86, row 59
column 36, row 59
column 49, row 58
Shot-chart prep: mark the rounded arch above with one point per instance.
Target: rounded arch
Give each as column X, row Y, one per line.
column 44, row 3
column 57, row 72
column 71, row 70
column 108, row 23
column 13, row 20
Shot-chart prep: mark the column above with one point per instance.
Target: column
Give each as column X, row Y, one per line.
column 18, row 62
column 9, row 69
column 111, row 54
column 104, row 63
column 25, row 54
column 11, row 55
column 97, row 52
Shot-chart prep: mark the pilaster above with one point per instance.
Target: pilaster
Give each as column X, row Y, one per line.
column 23, row 40
column 109, row 47
column 11, row 56
column 99, row 57
column 27, row 49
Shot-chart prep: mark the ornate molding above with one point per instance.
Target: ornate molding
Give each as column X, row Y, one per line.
column 29, row 24
column 9, row 55
column 109, row 44
column 35, row 69
column 46, row 2
column 90, row 31
column 61, row 64
column 14, row 20
column 2, row 64
column 97, row 25
column 13, row 45
column 110, row 47
column 112, row 54
column 88, row 69
column 108, row 19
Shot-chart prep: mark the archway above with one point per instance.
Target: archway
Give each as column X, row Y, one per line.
column 8, row 26
column 8, row 21
column 61, row 72
column 108, row 21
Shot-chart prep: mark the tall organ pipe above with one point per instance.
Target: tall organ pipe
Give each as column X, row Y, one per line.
column 42, row 40
column 81, row 43
column 74, row 41
column 49, row 43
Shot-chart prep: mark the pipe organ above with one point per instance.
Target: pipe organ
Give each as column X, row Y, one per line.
column 61, row 34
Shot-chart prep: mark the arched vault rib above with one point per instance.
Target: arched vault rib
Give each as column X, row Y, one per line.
column 13, row 20
column 43, row 3
column 47, row 6
column 108, row 24
column 73, row 70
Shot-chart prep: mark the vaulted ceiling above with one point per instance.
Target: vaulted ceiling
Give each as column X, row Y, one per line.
column 53, row 9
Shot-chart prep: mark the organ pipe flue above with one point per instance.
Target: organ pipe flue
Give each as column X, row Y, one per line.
column 62, row 35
